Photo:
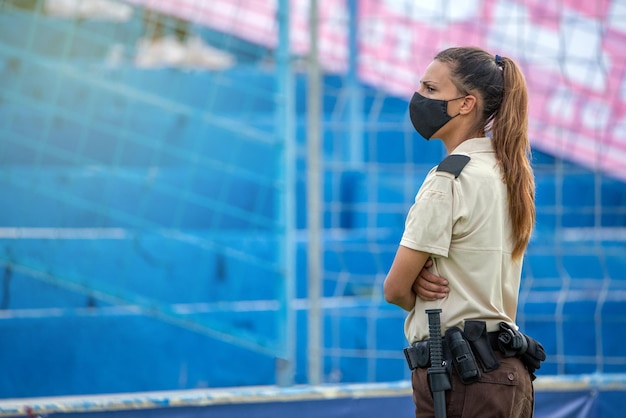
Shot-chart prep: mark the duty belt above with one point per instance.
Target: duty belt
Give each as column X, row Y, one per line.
column 462, row 348
column 419, row 355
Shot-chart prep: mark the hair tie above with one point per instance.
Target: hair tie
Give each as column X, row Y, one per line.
column 499, row 62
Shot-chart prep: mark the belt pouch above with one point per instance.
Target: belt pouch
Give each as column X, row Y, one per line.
column 462, row 356
column 476, row 334
column 417, row 355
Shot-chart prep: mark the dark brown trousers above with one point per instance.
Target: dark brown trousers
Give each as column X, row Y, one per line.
column 503, row 393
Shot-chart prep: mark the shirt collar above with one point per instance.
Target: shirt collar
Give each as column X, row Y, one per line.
column 474, row 145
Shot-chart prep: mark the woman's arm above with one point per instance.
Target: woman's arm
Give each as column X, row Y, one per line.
column 429, row 286
column 398, row 286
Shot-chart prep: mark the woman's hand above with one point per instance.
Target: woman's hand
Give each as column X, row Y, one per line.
column 429, row 286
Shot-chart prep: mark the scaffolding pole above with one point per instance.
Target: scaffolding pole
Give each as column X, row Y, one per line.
column 285, row 120
column 314, row 203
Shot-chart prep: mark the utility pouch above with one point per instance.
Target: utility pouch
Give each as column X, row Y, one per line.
column 462, row 356
column 417, row 355
column 533, row 356
column 476, row 333
column 511, row 342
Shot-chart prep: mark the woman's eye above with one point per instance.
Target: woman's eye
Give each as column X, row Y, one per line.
column 430, row 89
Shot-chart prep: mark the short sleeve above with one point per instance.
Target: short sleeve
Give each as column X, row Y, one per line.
column 428, row 226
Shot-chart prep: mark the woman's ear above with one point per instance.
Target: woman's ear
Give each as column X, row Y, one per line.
column 469, row 103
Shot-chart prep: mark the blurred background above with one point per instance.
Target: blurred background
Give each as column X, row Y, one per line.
column 209, row 194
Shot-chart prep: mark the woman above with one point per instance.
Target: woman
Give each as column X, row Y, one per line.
column 471, row 221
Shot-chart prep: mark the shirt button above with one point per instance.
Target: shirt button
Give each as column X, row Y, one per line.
column 511, row 377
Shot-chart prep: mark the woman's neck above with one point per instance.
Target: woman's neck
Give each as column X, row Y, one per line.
column 454, row 141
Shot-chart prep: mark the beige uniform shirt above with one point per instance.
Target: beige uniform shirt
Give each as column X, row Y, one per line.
column 464, row 224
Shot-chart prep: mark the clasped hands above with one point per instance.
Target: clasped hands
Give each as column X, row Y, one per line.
column 429, row 286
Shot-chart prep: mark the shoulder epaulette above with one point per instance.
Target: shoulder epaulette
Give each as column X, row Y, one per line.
column 454, row 164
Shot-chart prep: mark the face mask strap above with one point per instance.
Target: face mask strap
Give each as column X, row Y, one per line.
column 451, row 100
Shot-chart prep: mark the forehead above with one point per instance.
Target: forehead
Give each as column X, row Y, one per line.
column 438, row 72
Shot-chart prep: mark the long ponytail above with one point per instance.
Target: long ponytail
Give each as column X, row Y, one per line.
column 510, row 140
column 502, row 87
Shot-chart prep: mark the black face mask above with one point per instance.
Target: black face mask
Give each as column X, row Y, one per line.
column 429, row 115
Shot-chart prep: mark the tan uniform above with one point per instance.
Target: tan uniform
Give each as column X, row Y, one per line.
column 463, row 222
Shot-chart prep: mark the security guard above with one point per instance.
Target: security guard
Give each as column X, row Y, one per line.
column 473, row 217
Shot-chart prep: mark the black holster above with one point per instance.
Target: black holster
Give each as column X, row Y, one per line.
column 476, row 334
column 513, row 343
column 462, row 357
column 418, row 355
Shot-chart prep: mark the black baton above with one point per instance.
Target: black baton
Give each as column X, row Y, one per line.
column 437, row 374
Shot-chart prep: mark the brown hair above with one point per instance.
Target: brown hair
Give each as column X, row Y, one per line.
column 501, row 85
